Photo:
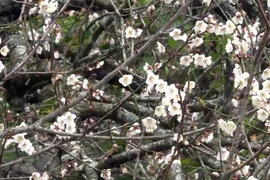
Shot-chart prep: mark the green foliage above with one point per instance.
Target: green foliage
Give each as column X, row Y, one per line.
column 144, row 2
column 9, row 154
column 189, row 165
column 47, row 107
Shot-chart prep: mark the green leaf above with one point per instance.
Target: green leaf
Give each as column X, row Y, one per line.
column 143, row 2
column 172, row 43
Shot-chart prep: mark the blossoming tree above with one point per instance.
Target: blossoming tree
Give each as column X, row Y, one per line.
column 146, row 89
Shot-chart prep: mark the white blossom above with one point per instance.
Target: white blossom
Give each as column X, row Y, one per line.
column 238, row 18
column 252, row 177
column 106, row 174
column 186, row 60
column 266, row 74
column 92, row 17
column 223, row 156
column 85, row 84
column 175, row 109
column 201, row 60
column 69, row 118
column 257, row 102
column 56, row 54
column 138, row 32
column 254, row 89
column 230, row 27
column 266, row 85
column 130, row 33
column 70, row 128
column 262, row 115
column 35, row 176
column 126, row 80
column 234, row 102
column 58, row 37
column 148, row 68
column 166, row 101
column 229, row 46
column 168, row 158
column 99, row 64
column 33, row 10
column 73, row 79
column 231, row 127
column 176, row 34
column 263, row 95
column 60, row 122
column 150, row 9
column 135, row 129
column 4, row 50
column 161, row 49
column 244, row 170
column 9, row 142
column 215, row 174
column 19, row 138
column 2, row 66
column 33, row 35
column 189, row 86
column 206, row 2
column 175, row 137
column 228, row 127
column 200, row 27
column 150, row 124
column 196, row 42
column 64, row 172
column 151, row 79
column 161, row 86
column 25, row 145
column 207, row 138
column 47, row 7
column 160, row 111
column 167, row 1
column 171, row 91
column 98, row 94
column 71, row 13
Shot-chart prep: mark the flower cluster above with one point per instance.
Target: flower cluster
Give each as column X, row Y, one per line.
column 38, row 176
column 172, row 96
column 134, row 130
column 3, row 51
column 207, row 137
column 260, row 96
column 236, row 45
column 47, row 7
column 35, row 35
column 73, row 79
column 106, row 174
column 65, row 123
column 176, row 35
column 24, row 144
column 44, row 7
column 76, row 82
column 228, row 127
column 93, row 16
column 169, row 157
column 133, row 33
